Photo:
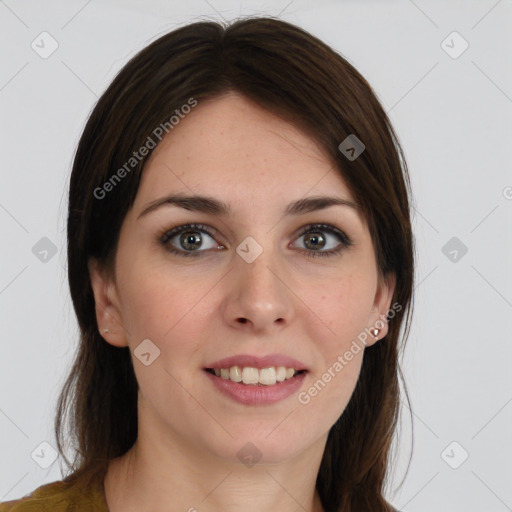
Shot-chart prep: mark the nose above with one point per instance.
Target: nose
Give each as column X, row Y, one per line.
column 257, row 297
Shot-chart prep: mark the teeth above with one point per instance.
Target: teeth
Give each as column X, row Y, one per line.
column 281, row 374
column 254, row 376
column 235, row 374
column 250, row 375
column 268, row 376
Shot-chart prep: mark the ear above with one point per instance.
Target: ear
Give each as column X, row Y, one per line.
column 381, row 306
column 108, row 313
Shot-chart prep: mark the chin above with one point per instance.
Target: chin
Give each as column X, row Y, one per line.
column 257, row 448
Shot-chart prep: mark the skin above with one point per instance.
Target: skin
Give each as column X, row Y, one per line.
column 192, row 309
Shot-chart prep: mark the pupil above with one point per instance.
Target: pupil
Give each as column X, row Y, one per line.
column 190, row 241
column 316, row 239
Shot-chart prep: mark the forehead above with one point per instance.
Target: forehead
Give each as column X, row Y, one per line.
column 234, row 149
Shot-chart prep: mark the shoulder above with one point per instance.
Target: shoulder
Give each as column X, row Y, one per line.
column 61, row 496
column 46, row 497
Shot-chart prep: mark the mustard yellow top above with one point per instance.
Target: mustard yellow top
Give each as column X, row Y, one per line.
column 86, row 494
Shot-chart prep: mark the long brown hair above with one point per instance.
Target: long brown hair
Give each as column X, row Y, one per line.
column 295, row 75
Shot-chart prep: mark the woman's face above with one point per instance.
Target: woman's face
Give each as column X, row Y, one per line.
column 254, row 282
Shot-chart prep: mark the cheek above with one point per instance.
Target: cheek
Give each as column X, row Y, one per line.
column 343, row 305
column 326, row 396
column 161, row 305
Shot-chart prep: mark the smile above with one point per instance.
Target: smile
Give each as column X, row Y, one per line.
column 255, row 377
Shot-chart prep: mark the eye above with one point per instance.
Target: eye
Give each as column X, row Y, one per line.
column 189, row 239
column 194, row 239
column 323, row 240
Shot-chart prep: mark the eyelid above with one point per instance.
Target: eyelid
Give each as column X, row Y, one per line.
column 344, row 238
column 168, row 234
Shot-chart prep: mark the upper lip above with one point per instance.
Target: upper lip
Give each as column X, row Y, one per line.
column 247, row 360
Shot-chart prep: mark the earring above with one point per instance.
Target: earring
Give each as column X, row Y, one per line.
column 106, row 331
column 375, row 333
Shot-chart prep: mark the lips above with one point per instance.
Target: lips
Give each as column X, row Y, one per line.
column 256, row 394
column 257, row 380
column 246, row 360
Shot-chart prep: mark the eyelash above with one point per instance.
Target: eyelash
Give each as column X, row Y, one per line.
column 167, row 235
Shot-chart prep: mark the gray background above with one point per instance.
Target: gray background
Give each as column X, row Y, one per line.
column 454, row 119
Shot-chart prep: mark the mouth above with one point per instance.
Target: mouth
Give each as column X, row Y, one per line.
column 260, row 377
column 251, row 386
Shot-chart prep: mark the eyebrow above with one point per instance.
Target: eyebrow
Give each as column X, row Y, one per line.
column 206, row 204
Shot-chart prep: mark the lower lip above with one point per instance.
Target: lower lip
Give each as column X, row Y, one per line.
column 248, row 394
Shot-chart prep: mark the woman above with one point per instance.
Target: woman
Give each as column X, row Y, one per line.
column 240, row 263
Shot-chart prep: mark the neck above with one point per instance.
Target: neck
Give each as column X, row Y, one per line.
column 169, row 477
